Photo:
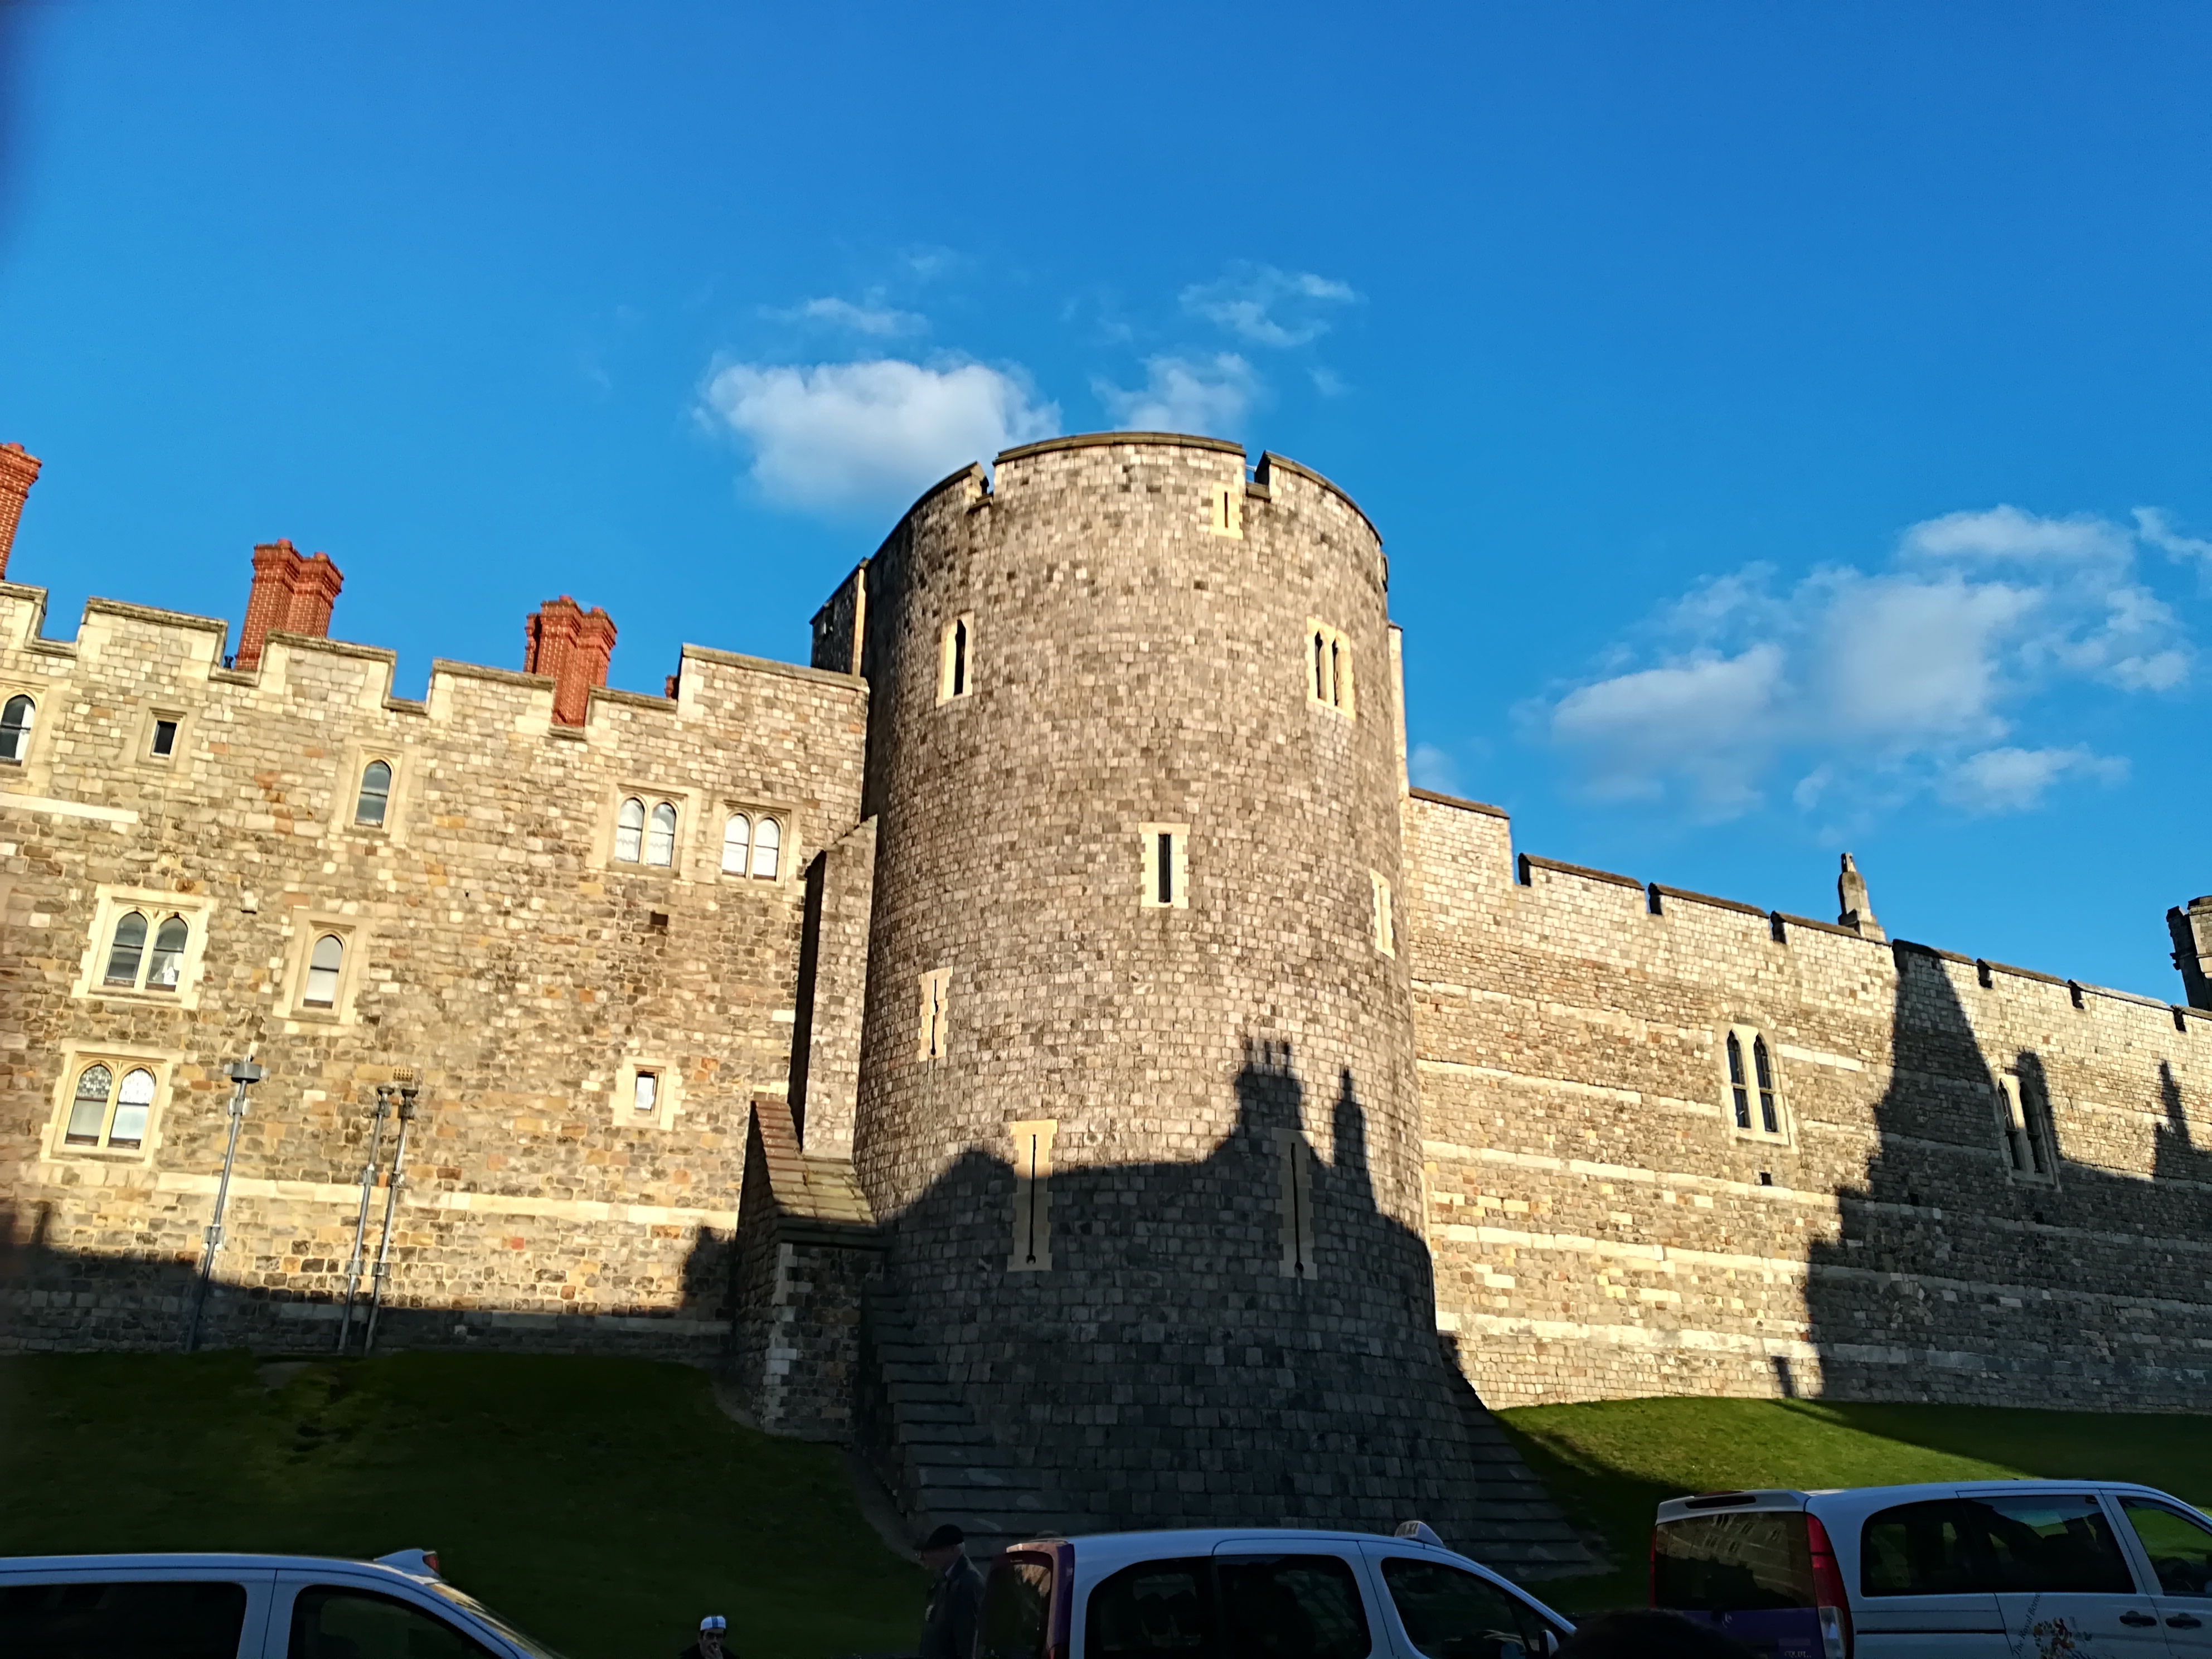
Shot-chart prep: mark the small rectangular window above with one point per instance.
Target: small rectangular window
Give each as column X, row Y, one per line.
column 1294, row 1160
column 956, row 664
column 1385, row 923
column 936, row 1012
column 165, row 739
column 1225, row 510
column 645, row 1092
column 1032, row 1160
column 1164, row 866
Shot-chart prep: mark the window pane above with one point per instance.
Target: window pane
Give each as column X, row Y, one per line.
column 646, row 1093
column 165, row 736
column 1733, row 1563
column 129, row 947
column 767, row 844
column 168, row 954
column 1291, row 1607
column 323, row 972
column 1922, row 1549
column 88, row 1107
column 130, row 1108
column 660, row 843
column 629, row 832
column 737, row 844
column 2179, row 1547
column 15, row 720
column 2052, row 1543
column 1450, row 1613
column 90, row 1621
column 1015, row 1620
column 375, row 794
column 328, row 1623
column 1154, row 1610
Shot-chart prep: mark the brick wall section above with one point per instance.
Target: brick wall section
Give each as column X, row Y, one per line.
column 498, row 949
column 293, row 593
column 18, row 472
column 1601, row 1230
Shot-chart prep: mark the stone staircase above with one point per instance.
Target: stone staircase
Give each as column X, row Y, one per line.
column 1518, row 1529
column 922, row 1441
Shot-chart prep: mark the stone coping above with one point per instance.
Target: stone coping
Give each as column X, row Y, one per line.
column 1101, row 439
column 769, row 666
column 1660, row 890
column 1531, row 862
column 1436, row 797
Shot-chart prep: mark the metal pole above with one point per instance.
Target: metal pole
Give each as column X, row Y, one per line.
column 243, row 1074
column 361, row 1220
column 407, row 1093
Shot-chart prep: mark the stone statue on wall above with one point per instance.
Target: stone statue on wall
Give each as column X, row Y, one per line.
column 1857, row 912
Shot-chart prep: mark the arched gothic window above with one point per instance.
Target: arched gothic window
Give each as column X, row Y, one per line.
column 17, row 719
column 660, row 839
column 1753, row 1089
column 127, row 951
column 768, row 847
column 101, row 1114
column 88, row 1107
column 375, row 797
column 629, row 832
column 323, row 965
column 168, row 958
column 132, row 1101
column 737, row 844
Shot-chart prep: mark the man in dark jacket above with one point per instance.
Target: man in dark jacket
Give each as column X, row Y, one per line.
column 714, row 1632
column 948, row 1629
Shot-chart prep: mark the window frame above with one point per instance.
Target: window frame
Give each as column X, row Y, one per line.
column 111, row 904
column 28, row 733
column 148, row 723
column 934, row 1035
column 121, row 1059
column 345, row 792
column 667, row 1097
column 1225, row 510
column 955, row 658
column 1326, row 661
column 1149, row 837
column 1295, row 1159
column 1385, row 918
column 2012, row 1098
column 1029, row 1249
column 685, row 803
column 307, row 928
column 755, row 815
column 361, row 793
column 1754, row 1042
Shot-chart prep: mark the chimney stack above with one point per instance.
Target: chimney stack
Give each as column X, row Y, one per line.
column 292, row 594
column 18, row 472
column 571, row 647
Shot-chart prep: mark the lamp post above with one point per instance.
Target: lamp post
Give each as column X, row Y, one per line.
column 243, row 1074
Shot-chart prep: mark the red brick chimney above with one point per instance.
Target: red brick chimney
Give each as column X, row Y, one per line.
column 292, row 594
column 18, row 472
column 571, row 647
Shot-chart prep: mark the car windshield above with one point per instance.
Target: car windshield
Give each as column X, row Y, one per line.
column 529, row 1644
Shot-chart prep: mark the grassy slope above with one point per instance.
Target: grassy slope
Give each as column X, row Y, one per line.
column 604, row 1505
column 1612, row 1462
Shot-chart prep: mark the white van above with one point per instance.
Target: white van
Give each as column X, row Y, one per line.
column 1256, row 1594
column 245, row 1606
column 1989, row 1570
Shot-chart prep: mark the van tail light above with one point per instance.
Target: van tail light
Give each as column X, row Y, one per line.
column 1828, row 1594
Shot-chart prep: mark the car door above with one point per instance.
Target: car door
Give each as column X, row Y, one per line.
column 2176, row 1542
column 326, row 1615
column 2064, row 1585
column 1440, row 1610
column 1920, row 1586
column 1306, row 1601
column 181, row 1612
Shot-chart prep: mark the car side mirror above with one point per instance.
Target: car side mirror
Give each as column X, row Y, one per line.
column 1551, row 1641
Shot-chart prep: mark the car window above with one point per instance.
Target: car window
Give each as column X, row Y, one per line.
column 329, row 1622
column 1154, row 1610
column 529, row 1644
column 2054, row 1542
column 2179, row 1546
column 201, row 1619
column 1737, row 1563
column 1931, row 1548
column 1291, row 1606
column 1017, row 1617
column 1451, row 1613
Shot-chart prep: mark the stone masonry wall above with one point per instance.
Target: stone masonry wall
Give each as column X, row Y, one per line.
column 494, row 947
column 1601, row 1229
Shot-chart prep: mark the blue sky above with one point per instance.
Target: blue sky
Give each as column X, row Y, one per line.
column 1790, row 424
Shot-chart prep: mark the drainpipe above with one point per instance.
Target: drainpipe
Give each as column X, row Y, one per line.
column 407, row 1093
column 360, row 1220
column 243, row 1074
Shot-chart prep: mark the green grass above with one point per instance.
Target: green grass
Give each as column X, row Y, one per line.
column 602, row 1504
column 1611, row 1463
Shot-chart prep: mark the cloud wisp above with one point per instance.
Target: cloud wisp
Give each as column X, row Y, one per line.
column 1857, row 691
column 1268, row 306
column 870, row 317
column 855, row 437
column 1207, row 396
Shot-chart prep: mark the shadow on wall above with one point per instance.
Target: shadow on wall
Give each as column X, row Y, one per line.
column 1979, row 1265
column 60, row 1298
column 1245, row 1337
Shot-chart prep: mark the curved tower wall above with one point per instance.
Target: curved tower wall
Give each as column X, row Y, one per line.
column 1132, row 665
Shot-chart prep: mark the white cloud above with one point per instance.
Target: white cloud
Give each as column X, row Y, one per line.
column 2016, row 779
column 854, row 436
column 872, row 318
column 1873, row 688
column 1268, row 307
column 1432, row 768
column 1207, row 396
column 2154, row 527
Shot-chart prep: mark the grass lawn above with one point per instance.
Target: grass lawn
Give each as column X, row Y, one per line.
column 1610, row 1463
column 602, row 1504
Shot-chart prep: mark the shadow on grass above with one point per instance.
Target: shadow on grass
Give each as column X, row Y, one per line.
column 1611, row 1463
column 603, row 1504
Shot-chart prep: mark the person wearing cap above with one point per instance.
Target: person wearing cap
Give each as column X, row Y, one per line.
column 948, row 1629
column 713, row 1629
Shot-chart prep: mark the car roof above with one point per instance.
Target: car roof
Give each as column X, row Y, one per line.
column 213, row 1561
column 1100, row 1549
column 1822, row 1497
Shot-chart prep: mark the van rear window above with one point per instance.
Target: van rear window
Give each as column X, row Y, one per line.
column 199, row 1620
column 1738, row 1563
column 2053, row 1542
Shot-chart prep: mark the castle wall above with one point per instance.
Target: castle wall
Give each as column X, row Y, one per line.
column 1601, row 1229
column 494, row 944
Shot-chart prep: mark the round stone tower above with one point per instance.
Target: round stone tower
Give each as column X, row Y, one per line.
column 1138, row 1100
